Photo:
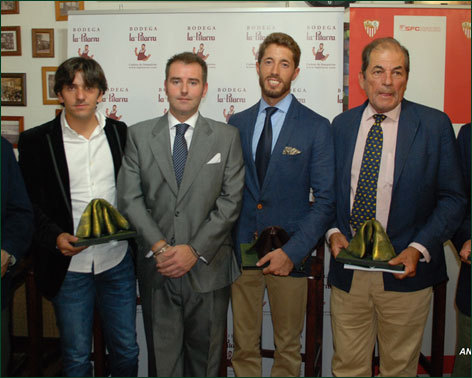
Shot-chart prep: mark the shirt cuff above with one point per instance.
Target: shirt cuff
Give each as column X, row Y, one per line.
column 426, row 256
column 330, row 232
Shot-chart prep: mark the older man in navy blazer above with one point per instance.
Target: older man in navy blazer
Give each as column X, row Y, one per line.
column 287, row 150
column 419, row 201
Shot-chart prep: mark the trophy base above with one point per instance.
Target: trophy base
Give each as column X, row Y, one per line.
column 346, row 258
column 120, row 235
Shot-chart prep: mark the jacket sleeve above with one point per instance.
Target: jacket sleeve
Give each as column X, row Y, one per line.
column 17, row 213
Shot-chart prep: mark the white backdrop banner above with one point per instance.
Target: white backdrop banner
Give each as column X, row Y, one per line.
column 133, row 49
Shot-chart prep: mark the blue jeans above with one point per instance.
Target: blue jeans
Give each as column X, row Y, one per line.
column 114, row 293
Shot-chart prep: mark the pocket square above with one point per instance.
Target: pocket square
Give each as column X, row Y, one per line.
column 215, row 159
column 290, row 151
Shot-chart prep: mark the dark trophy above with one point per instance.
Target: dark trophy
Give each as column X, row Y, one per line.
column 271, row 238
column 370, row 247
column 101, row 223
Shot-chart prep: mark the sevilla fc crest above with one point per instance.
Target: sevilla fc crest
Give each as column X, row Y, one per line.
column 371, row 27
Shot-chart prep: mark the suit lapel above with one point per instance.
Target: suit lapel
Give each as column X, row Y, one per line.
column 286, row 132
column 350, row 133
column 160, row 147
column 407, row 129
column 252, row 180
column 114, row 143
column 58, row 157
column 198, row 154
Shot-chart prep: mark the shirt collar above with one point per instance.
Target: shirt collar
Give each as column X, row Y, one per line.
column 174, row 121
column 282, row 105
column 67, row 129
column 393, row 114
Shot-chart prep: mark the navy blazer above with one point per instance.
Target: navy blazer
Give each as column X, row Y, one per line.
column 283, row 199
column 42, row 160
column 428, row 199
column 463, row 233
column 17, row 214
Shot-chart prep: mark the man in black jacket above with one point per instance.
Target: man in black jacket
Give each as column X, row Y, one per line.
column 66, row 163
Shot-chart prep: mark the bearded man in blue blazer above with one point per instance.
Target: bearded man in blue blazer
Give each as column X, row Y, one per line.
column 419, row 200
column 288, row 150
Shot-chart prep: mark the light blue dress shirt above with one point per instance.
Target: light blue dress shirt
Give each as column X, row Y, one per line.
column 277, row 119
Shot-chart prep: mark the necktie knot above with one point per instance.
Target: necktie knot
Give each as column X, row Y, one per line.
column 181, row 128
column 270, row 110
column 379, row 118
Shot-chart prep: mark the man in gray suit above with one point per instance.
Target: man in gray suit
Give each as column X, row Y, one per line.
column 180, row 186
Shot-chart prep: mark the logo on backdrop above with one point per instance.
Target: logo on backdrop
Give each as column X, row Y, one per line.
column 229, row 113
column 116, row 95
column 85, row 52
column 141, row 54
column 300, row 94
column 200, row 51
column 141, row 39
column 466, row 28
column 161, row 96
column 113, row 114
column 230, row 96
column 371, row 27
column 320, row 53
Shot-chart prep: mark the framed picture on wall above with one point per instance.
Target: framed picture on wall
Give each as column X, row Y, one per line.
column 63, row 8
column 49, row 97
column 11, row 40
column 43, row 43
column 12, row 126
column 10, row 7
column 13, row 89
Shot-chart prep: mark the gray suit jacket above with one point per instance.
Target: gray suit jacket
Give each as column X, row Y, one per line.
column 201, row 213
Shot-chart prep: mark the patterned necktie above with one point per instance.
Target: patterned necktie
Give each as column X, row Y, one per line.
column 179, row 154
column 365, row 200
column 264, row 146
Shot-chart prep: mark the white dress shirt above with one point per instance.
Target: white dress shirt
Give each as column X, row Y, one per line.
column 386, row 169
column 91, row 175
column 173, row 122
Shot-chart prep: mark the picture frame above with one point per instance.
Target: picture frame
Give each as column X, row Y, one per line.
column 10, row 7
column 13, row 89
column 47, row 75
column 42, row 41
column 12, row 126
column 63, row 7
column 11, row 40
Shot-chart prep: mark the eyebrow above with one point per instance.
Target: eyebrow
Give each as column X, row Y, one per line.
column 393, row 69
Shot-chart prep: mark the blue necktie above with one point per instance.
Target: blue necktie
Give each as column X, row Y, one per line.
column 365, row 200
column 179, row 154
column 264, row 146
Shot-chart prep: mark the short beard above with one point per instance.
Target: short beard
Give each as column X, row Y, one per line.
column 274, row 94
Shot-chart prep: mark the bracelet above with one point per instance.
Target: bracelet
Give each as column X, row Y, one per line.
column 161, row 250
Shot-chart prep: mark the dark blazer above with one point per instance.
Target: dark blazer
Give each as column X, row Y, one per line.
column 463, row 233
column 283, row 199
column 17, row 214
column 428, row 199
column 43, row 162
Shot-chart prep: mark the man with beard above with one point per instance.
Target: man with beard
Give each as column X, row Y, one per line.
column 288, row 150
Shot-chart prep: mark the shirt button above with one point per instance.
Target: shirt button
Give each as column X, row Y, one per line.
column 259, row 206
column 177, row 213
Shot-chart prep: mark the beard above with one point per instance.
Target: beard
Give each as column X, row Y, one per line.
column 271, row 92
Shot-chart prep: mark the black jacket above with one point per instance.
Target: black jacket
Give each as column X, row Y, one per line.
column 43, row 162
